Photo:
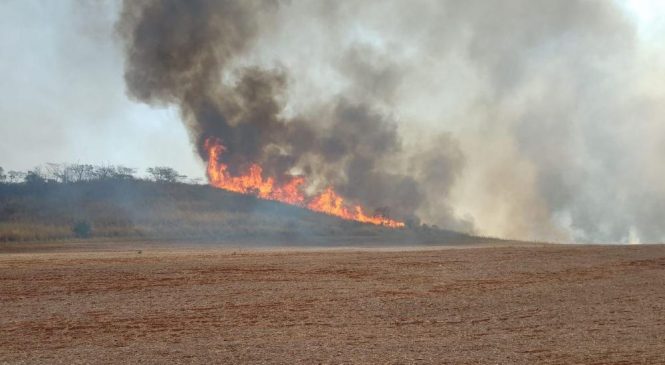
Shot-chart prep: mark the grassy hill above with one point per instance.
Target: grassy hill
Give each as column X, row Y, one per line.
column 138, row 209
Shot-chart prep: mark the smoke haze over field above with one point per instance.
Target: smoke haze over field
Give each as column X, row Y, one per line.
column 514, row 118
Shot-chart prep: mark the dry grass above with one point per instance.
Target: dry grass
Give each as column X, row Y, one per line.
column 149, row 210
column 31, row 231
column 137, row 209
column 512, row 305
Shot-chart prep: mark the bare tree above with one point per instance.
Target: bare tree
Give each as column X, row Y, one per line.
column 16, row 176
column 124, row 173
column 3, row 177
column 70, row 173
column 81, row 172
column 165, row 174
column 104, row 172
column 34, row 177
column 57, row 172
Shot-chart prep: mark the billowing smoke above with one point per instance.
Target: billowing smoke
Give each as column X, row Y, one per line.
column 191, row 54
column 516, row 118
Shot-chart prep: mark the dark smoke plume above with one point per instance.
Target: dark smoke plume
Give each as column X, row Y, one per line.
column 514, row 118
column 190, row 53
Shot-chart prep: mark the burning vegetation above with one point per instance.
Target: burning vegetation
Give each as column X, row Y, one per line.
column 290, row 192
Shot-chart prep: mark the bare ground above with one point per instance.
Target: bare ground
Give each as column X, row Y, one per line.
column 548, row 304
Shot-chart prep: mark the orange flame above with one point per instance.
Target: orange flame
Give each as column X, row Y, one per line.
column 330, row 203
column 253, row 183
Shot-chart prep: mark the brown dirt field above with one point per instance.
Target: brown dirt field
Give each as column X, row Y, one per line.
column 527, row 305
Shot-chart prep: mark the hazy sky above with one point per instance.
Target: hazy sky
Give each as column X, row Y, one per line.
column 62, row 95
column 63, row 99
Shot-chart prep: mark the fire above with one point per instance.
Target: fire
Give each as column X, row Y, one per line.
column 252, row 182
column 330, row 203
column 290, row 192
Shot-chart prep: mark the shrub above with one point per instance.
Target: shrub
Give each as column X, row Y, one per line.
column 82, row 229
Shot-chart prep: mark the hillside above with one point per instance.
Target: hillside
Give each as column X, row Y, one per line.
column 138, row 209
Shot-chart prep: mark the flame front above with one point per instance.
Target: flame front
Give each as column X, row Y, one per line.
column 330, row 203
column 253, row 183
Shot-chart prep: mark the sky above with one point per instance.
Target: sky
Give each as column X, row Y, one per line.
column 63, row 93
column 63, row 98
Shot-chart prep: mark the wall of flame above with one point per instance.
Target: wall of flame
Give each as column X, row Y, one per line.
column 290, row 192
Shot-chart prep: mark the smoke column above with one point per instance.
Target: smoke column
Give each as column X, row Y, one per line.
column 523, row 119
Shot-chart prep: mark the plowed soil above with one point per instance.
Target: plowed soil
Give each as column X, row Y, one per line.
column 508, row 305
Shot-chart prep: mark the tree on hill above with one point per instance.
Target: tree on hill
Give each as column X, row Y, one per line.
column 81, row 172
column 15, row 177
column 65, row 173
column 124, row 173
column 164, row 174
column 72, row 173
column 58, row 172
column 104, row 172
column 34, row 177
